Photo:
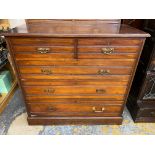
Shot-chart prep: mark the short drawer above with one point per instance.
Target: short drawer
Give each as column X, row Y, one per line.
column 38, row 49
column 79, row 62
column 49, row 56
column 105, row 50
column 74, row 109
column 42, row 41
column 150, row 112
column 72, row 90
column 73, row 70
column 45, row 82
column 110, row 41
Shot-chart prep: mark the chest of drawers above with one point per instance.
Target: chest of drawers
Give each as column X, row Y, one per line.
column 75, row 72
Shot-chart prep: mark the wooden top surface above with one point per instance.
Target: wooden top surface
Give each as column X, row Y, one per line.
column 75, row 28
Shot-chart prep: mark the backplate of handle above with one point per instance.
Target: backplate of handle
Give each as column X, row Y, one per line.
column 51, row 109
column 98, row 111
column 46, row 71
column 43, row 50
column 100, row 91
column 49, row 90
column 107, row 50
column 103, row 72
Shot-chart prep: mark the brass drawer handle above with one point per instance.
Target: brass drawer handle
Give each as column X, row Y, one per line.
column 43, row 50
column 51, row 109
column 46, row 71
column 49, row 91
column 102, row 72
column 107, row 50
column 153, row 113
column 100, row 91
column 99, row 111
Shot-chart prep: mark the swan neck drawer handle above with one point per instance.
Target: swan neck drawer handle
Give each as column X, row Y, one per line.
column 103, row 72
column 100, row 91
column 107, row 50
column 49, row 91
column 46, row 71
column 43, row 50
column 98, row 111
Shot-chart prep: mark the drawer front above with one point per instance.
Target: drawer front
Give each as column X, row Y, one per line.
column 80, row 49
column 44, row 82
column 47, row 98
column 42, row 41
column 48, row 53
column 76, row 77
column 110, row 41
column 36, row 49
column 53, row 56
column 50, row 56
column 83, row 62
column 71, row 90
column 73, row 109
column 73, row 70
column 146, row 113
column 72, row 100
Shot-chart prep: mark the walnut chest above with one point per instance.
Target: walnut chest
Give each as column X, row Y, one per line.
column 75, row 71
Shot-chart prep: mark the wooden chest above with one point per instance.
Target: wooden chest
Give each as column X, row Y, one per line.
column 75, row 71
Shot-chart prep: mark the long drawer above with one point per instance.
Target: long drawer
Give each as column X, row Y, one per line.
column 47, row 98
column 74, row 109
column 53, row 56
column 76, row 77
column 79, row 62
column 73, row 90
column 31, row 99
column 74, row 70
column 45, row 82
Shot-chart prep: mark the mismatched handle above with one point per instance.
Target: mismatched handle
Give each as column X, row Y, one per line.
column 107, row 50
column 43, row 50
column 102, row 72
column 46, row 71
column 100, row 91
column 49, row 90
column 99, row 111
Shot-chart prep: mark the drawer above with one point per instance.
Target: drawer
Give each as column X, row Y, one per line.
column 110, row 41
column 150, row 112
column 76, row 77
column 111, row 49
column 74, row 109
column 73, row 70
column 42, row 41
column 72, row 100
column 72, row 90
column 49, row 56
column 37, row 49
column 77, row 62
column 48, row 98
column 44, row 82
column 53, row 56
